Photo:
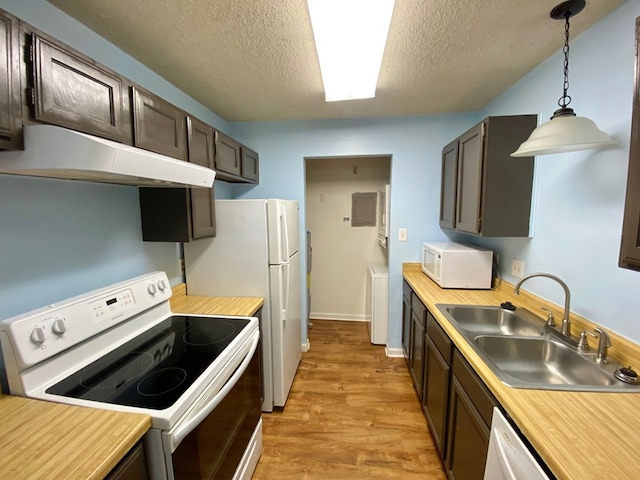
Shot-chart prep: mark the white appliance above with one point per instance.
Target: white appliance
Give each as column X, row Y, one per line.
column 256, row 253
column 508, row 457
column 121, row 348
column 376, row 310
column 454, row 265
column 57, row 152
column 384, row 198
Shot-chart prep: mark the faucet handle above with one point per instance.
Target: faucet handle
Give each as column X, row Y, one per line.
column 550, row 317
column 583, row 344
column 603, row 344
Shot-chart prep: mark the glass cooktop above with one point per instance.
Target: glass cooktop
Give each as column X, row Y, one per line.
column 154, row 369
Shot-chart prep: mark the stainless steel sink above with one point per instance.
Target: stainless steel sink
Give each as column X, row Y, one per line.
column 489, row 320
column 522, row 352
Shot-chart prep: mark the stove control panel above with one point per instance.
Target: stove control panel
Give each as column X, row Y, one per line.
column 43, row 333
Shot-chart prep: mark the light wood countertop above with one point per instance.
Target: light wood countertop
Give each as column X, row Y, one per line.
column 579, row 435
column 44, row 440
column 232, row 306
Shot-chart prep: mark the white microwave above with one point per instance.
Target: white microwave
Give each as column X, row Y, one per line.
column 454, row 265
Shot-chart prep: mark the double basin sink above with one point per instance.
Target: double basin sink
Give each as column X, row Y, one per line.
column 523, row 353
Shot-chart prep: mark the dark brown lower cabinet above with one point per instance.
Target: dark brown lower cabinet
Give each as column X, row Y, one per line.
column 437, row 374
column 132, row 467
column 470, row 410
column 406, row 321
column 416, row 354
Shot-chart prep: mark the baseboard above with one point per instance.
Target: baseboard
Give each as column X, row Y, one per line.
column 337, row 316
column 394, row 352
column 306, row 346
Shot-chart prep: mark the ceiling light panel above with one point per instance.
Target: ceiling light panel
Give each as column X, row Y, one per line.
column 350, row 37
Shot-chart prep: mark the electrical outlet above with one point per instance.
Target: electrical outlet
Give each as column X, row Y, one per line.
column 402, row 235
column 517, row 268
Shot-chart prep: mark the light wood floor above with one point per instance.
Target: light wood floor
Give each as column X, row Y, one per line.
column 352, row 414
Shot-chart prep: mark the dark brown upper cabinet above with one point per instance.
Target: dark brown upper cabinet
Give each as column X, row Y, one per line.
column 227, row 156
column 492, row 193
column 10, row 106
column 73, row 91
column 182, row 214
column 250, row 168
column 158, row 125
column 449, row 183
column 630, row 245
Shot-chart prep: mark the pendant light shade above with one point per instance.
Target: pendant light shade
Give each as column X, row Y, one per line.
column 565, row 132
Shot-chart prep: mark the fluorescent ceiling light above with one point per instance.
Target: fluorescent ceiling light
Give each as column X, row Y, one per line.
column 350, row 38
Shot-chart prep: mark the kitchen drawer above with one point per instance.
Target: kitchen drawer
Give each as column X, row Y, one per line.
column 406, row 289
column 418, row 307
column 439, row 338
column 480, row 396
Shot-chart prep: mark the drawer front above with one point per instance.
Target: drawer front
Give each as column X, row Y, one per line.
column 439, row 338
column 474, row 387
column 406, row 289
column 418, row 308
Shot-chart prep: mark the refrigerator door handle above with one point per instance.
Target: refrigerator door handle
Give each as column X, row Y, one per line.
column 284, row 291
column 285, row 233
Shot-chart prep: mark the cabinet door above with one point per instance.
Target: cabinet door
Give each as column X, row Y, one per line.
column 250, row 165
column 200, row 143
column 72, row 91
column 227, row 154
column 10, row 107
column 470, row 164
column 132, row 467
column 406, row 327
column 435, row 399
column 448, row 185
column 630, row 245
column 417, row 352
column 468, row 442
column 158, row 125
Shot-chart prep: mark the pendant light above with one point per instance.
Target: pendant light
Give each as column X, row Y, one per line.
column 564, row 132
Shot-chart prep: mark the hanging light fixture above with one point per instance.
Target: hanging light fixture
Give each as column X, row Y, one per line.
column 564, row 132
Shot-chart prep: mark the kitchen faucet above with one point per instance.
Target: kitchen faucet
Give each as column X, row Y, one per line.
column 566, row 321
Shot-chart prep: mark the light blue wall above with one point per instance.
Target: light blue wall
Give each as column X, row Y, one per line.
column 578, row 198
column 60, row 238
column 415, row 145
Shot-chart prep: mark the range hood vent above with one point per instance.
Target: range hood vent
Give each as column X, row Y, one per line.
column 56, row 152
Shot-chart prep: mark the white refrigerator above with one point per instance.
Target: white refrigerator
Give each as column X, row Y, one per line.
column 256, row 253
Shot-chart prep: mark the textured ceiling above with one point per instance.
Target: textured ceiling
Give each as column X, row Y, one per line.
column 253, row 60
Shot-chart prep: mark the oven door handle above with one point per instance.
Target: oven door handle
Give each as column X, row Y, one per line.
column 185, row 429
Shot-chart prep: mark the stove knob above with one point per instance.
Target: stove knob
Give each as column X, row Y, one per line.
column 162, row 285
column 37, row 335
column 167, row 349
column 59, row 327
column 152, row 289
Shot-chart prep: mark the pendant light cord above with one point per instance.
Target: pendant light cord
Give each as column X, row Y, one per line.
column 565, row 99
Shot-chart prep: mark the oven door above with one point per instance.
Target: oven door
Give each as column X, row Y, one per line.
column 215, row 438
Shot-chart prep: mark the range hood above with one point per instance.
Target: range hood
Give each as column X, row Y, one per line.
column 57, row 152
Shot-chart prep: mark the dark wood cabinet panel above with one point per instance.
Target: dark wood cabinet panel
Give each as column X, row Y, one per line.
column 470, row 164
column 406, row 321
column 10, row 104
column 250, row 165
column 200, row 142
column 227, row 155
column 416, row 353
column 470, row 410
column 73, row 91
column 492, row 193
column 435, row 399
column 158, row 126
column 630, row 244
column 132, row 467
column 449, row 185
column 182, row 214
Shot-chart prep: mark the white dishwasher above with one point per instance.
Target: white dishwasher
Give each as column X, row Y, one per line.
column 376, row 309
column 508, row 457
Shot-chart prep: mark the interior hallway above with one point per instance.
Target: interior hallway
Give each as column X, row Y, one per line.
column 352, row 414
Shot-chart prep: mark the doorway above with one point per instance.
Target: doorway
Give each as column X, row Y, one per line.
column 342, row 252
